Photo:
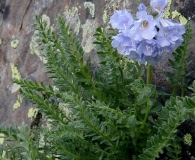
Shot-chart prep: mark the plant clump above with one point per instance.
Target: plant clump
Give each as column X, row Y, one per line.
column 109, row 112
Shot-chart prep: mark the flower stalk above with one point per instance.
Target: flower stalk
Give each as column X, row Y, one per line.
column 149, row 75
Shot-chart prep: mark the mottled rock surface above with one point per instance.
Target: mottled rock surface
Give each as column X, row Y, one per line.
column 16, row 31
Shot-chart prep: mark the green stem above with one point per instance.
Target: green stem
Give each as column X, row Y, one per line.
column 149, row 74
column 138, row 68
column 181, row 75
column 146, row 116
column 182, row 65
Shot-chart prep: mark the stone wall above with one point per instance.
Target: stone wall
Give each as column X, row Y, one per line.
column 18, row 59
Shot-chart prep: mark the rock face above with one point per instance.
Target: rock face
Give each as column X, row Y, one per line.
column 19, row 60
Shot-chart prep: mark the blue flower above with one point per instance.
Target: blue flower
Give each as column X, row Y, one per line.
column 149, row 51
column 170, row 34
column 121, row 20
column 123, row 44
column 141, row 7
column 148, row 48
column 144, row 28
column 146, row 39
column 158, row 5
column 136, row 57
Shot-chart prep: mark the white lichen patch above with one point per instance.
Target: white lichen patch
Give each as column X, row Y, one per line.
column 91, row 8
column 88, row 32
column 64, row 108
column 14, row 43
column 32, row 112
column 72, row 17
column 1, row 138
column 34, row 45
column 105, row 16
column 41, row 141
column 46, row 20
column 15, row 88
column 41, row 4
column 18, row 102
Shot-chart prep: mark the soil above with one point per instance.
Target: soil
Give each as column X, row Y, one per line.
column 187, row 151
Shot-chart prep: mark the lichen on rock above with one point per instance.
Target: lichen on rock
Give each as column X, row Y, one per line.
column 167, row 11
column 91, row 7
column 72, row 17
column 14, row 43
column 15, row 75
column 46, row 20
column 88, row 31
column 15, row 87
column 41, row 4
column 105, row 16
column 34, row 45
column 182, row 19
column 32, row 112
column 18, row 102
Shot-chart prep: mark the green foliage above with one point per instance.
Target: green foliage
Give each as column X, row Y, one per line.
column 179, row 64
column 21, row 143
column 104, row 112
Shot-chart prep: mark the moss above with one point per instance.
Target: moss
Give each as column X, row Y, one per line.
column 91, row 7
column 18, row 103
column 14, row 43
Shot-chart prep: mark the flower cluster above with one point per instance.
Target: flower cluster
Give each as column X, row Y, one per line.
column 146, row 38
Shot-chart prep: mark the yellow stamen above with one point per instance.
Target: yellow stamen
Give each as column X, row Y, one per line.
column 144, row 24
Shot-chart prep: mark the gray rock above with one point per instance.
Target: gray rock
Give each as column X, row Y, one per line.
column 16, row 23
